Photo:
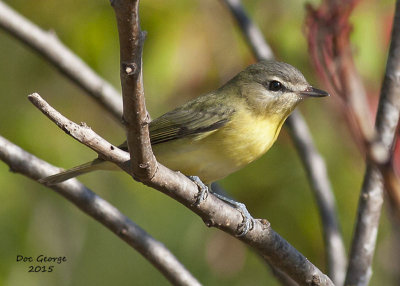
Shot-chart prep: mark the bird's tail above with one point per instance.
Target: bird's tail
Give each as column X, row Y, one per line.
column 97, row 164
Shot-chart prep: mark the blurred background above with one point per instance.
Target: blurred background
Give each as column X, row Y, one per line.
column 192, row 47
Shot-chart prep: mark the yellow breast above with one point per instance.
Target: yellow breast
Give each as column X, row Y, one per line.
column 248, row 136
column 216, row 154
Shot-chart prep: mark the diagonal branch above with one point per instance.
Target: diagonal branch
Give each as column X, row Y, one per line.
column 87, row 201
column 251, row 32
column 312, row 160
column 136, row 118
column 50, row 47
column 213, row 211
column 371, row 197
column 322, row 190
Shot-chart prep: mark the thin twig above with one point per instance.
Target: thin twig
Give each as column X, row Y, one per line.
column 136, row 118
column 371, row 198
column 251, row 32
column 155, row 252
column 213, row 211
column 49, row 46
column 322, row 190
column 312, row 160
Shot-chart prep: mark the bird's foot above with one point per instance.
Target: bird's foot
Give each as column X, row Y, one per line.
column 203, row 190
column 248, row 220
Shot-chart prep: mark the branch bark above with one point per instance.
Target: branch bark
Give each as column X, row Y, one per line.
column 213, row 211
column 312, row 161
column 136, row 118
column 371, row 197
column 322, row 190
column 49, row 46
column 87, row 201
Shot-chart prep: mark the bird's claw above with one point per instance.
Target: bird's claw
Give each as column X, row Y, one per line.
column 248, row 221
column 203, row 190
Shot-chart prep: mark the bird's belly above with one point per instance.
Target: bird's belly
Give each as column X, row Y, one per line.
column 194, row 159
column 219, row 153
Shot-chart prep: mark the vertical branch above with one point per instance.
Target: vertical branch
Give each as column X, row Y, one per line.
column 371, row 198
column 312, row 161
column 135, row 115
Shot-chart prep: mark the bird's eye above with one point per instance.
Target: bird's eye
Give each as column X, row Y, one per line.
column 275, row 86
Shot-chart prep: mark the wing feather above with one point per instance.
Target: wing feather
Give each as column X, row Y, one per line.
column 192, row 119
column 202, row 115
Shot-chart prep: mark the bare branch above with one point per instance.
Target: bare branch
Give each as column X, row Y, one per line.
column 251, row 32
column 82, row 133
column 392, row 188
column 371, row 198
column 136, row 118
column 30, row 166
column 312, row 160
column 50, row 47
column 383, row 158
column 322, row 190
column 213, row 211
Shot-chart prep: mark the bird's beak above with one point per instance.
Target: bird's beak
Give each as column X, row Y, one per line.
column 313, row 92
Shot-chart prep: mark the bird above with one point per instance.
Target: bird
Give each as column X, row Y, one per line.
column 218, row 133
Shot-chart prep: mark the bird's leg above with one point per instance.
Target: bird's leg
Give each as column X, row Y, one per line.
column 248, row 220
column 203, row 190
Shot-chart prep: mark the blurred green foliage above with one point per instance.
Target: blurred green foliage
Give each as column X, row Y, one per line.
column 191, row 47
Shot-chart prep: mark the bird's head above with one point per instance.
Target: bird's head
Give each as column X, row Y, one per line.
column 272, row 87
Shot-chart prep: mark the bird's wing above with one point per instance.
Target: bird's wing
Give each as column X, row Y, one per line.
column 204, row 114
column 189, row 120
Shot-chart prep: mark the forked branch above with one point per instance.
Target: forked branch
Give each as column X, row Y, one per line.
column 371, row 197
column 136, row 118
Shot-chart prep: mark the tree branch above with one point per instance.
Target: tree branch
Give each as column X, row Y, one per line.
column 87, row 201
column 136, row 118
column 50, row 47
column 311, row 159
column 322, row 190
column 371, row 198
column 213, row 211
column 251, row 32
